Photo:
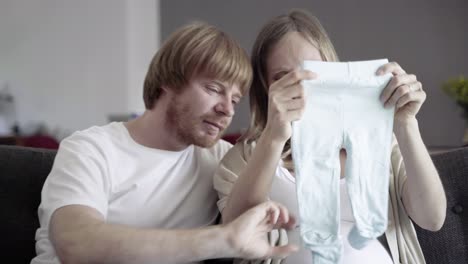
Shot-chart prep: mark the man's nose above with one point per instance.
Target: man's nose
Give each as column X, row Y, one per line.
column 225, row 107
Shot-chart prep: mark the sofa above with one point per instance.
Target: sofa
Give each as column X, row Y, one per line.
column 24, row 170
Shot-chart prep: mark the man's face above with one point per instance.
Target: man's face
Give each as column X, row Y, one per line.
column 202, row 110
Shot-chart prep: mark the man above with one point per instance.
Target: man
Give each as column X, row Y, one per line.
column 141, row 191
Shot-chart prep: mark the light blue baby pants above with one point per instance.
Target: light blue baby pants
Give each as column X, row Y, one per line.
column 343, row 110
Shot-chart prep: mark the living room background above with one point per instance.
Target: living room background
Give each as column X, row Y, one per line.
column 73, row 64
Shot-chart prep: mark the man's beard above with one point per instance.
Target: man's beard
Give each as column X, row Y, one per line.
column 188, row 126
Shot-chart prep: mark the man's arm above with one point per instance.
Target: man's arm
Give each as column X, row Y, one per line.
column 81, row 235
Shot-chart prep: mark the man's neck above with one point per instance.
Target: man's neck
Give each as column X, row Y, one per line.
column 151, row 130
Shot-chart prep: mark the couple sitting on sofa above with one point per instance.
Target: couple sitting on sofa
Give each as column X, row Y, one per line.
column 142, row 191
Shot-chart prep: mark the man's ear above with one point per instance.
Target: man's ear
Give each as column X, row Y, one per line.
column 165, row 88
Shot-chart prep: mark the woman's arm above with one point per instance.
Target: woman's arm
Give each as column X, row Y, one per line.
column 285, row 104
column 254, row 183
column 423, row 194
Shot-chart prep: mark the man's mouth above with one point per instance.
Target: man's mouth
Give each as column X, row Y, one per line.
column 215, row 125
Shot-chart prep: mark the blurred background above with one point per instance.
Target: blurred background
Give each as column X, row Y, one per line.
column 67, row 65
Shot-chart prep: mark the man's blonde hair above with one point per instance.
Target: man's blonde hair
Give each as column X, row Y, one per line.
column 197, row 48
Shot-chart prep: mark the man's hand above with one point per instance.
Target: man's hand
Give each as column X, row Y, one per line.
column 247, row 234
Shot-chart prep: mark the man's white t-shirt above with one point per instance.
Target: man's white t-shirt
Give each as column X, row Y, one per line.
column 129, row 184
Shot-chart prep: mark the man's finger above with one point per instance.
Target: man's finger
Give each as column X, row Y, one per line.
column 275, row 214
column 291, row 224
column 282, row 251
column 284, row 214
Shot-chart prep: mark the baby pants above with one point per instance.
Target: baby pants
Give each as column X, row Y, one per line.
column 343, row 110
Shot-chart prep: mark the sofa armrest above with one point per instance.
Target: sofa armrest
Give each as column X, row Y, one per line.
column 450, row 244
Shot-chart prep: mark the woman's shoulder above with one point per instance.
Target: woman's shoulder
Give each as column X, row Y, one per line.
column 241, row 149
column 234, row 161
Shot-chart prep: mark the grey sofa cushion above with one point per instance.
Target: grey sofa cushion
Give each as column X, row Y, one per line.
column 22, row 174
column 450, row 244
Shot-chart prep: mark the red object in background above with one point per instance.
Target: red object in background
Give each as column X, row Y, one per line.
column 40, row 141
column 231, row 138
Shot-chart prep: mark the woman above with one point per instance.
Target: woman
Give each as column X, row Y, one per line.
column 259, row 167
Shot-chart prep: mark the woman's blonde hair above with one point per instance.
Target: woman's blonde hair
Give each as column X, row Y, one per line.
column 295, row 21
column 197, row 48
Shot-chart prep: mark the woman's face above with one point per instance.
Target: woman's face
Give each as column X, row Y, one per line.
column 287, row 55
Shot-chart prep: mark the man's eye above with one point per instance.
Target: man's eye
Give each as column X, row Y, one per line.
column 212, row 88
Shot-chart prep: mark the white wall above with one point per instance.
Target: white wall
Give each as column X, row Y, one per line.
column 70, row 63
column 143, row 38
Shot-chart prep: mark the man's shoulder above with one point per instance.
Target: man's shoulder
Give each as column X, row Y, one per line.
column 95, row 136
column 98, row 131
